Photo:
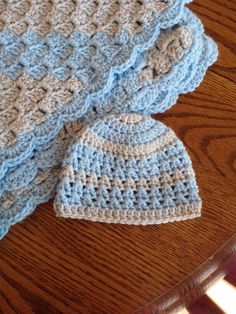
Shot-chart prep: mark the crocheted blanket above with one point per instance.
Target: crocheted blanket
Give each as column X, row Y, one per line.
column 52, row 58
column 73, row 65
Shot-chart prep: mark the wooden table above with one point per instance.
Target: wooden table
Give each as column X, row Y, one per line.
column 51, row 265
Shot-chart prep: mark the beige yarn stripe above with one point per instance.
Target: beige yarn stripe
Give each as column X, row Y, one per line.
column 92, row 139
column 103, row 180
column 134, row 217
column 170, row 47
column 26, row 91
column 87, row 16
column 131, row 118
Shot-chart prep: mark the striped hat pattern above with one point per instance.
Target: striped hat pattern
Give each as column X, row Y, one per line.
column 127, row 169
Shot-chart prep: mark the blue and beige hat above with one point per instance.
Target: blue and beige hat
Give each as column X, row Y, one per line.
column 127, row 169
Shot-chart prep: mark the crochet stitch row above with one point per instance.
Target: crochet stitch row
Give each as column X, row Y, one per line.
column 88, row 17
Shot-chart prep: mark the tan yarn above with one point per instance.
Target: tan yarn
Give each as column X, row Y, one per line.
column 169, row 49
column 89, row 17
column 25, row 102
column 141, row 217
column 125, row 150
column 103, row 180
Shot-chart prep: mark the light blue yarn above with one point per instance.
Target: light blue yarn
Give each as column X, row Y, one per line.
column 119, row 130
column 23, row 207
column 135, row 169
column 48, row 160
column 20, row 176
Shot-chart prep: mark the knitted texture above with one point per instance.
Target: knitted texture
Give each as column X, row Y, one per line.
column 127, row 169
column 35, row 111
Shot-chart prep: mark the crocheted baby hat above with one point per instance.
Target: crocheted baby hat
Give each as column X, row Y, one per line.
column 127, row 169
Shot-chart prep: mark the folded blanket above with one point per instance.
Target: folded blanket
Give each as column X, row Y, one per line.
column 35, row 181
column 42, row 113
column 55, row 56
column 150, row 86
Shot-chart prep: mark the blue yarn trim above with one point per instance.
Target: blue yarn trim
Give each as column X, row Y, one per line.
column 25, row 206
column 21, row 176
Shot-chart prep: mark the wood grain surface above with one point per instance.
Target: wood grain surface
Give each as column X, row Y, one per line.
column 52, row 265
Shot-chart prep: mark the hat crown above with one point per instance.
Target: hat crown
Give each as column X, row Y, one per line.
column 126, row 135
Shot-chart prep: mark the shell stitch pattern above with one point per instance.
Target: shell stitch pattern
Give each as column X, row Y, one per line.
column 197, row 71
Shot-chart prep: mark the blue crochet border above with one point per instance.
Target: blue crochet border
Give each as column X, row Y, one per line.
column 38, row 195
